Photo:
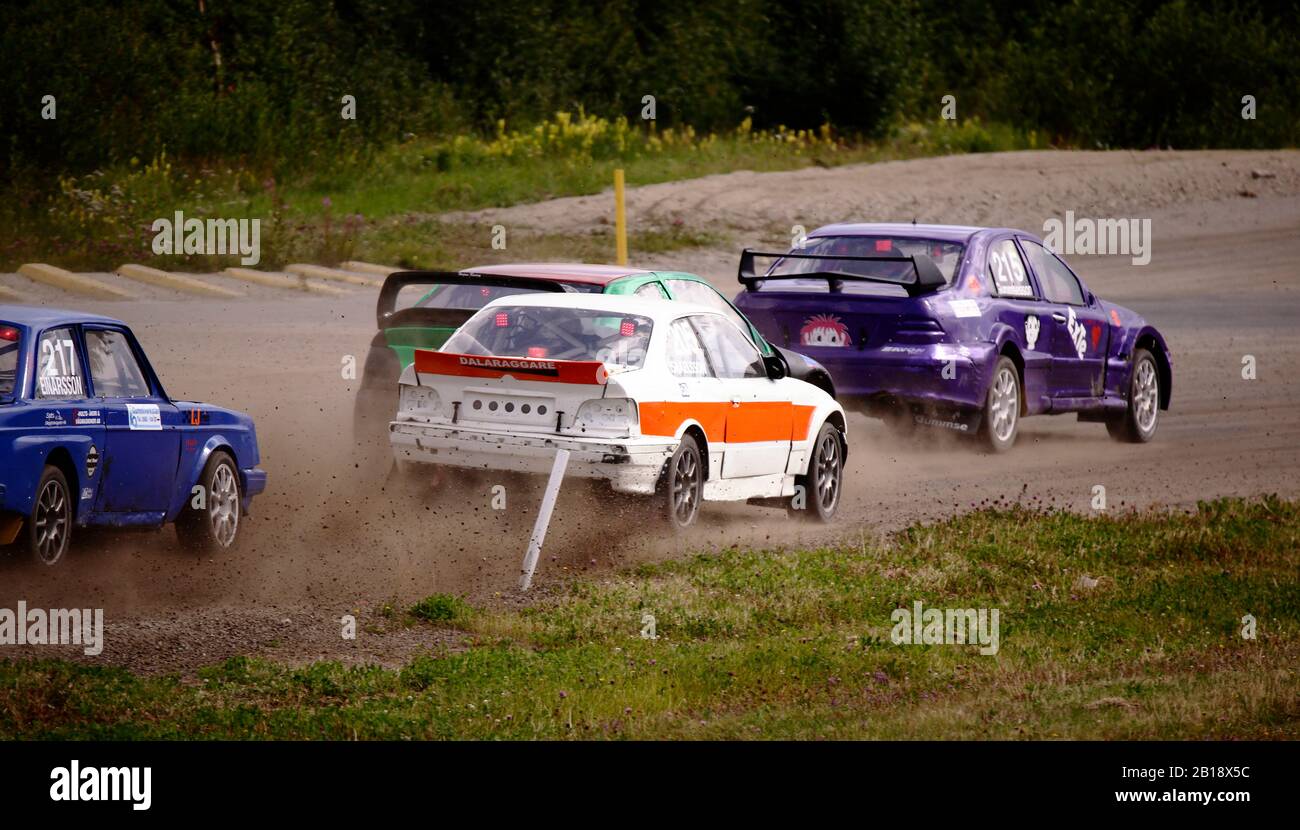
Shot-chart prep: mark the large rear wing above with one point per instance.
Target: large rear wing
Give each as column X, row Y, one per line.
column 393, row 285
column 926, row 275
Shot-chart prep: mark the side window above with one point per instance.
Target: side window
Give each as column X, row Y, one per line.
column 58, row 369
column 1008, row 270
column 685, row 354
column 705, row 295
column 730, row 352
column 650, row 290
column 1058, row 283
column 113, row 366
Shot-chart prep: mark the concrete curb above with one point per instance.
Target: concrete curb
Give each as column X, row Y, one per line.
column 320, row 272
column 68, row 281
column 176, row 282
column 297, row 283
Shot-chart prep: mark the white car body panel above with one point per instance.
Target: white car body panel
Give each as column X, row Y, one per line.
column 757, row 432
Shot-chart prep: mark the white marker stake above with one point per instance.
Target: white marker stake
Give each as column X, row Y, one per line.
column 543, row 518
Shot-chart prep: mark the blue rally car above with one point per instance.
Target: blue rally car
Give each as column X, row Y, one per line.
column 963, row 328
column 89, row 437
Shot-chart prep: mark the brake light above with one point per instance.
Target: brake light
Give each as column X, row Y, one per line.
column 537, row 351
column 628, row 328
column 883, row 245
column 485, row 291
column 9, row 333
column 502, row 319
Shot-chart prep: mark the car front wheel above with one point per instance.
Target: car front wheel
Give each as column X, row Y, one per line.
column 1138, row 423
column 211, row 524
column 822, row 484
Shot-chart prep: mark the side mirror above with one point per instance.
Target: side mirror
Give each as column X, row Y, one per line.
column 775, row 366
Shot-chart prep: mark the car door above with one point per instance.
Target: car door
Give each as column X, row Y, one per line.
column 760, row 414
column 60, row 396
column 1079, row 334
column 142, row 429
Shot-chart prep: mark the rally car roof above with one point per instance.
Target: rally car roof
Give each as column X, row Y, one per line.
column 39, row 317
column 567, row 271
column 657, row 309
column 942, row 233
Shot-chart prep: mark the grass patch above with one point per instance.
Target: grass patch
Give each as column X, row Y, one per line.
column 796, row 644
column 442, row 608
column 378, row 205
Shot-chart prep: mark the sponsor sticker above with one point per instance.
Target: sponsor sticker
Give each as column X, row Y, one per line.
column 1078, row 332
column 144, row 416
column 87, row 417
column 824, row 330
column 92, row 461
column 60, row 386
column 964, row 308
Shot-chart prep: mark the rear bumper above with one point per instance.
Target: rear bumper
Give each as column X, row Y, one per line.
column 942, row 374
column 630, row 465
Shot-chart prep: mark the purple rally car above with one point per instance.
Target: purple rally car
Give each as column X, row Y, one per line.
column 964, row 328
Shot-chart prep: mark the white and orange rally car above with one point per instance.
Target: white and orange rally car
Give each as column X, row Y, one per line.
column 659, row 398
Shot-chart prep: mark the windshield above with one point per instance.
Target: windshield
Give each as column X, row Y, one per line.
column 946, row 255
column 474, row 297
column 10, row 341
column 547, row 333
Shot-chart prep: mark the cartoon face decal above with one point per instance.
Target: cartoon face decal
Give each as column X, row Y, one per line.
column 1078, row 333
column 1032, row 327
column 824, row 330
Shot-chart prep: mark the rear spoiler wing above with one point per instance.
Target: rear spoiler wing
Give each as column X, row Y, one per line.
column 398, row 280
column 928, row 276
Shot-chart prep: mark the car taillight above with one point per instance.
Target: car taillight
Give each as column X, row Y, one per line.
column 9, row 333
column 502, row 319
column 537, row 351
column 627, row 328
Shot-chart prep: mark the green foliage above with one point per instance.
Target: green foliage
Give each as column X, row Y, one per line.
column 442, row 608
column 260, row 82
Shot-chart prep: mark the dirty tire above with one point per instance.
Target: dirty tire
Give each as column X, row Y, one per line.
column 1001, row 422
column 684, row 485
column 214, row 528
column 823, row 483
column 1138, row 423
column 49, row 527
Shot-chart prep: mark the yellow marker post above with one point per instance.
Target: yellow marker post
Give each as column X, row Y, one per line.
column 620, row 217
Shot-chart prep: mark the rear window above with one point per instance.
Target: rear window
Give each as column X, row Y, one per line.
column 946, row 255
column 474, row 297
column 10, row 343
column 546, row 333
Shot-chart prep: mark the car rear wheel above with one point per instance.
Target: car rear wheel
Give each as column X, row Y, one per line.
column 1002, row 407
column 213, row 525
column 684, row 485
column 49, row 528
column 1138, row 423
column 822, row 484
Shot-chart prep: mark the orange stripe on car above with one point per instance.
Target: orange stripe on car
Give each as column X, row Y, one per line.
column 751, row 421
